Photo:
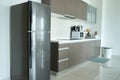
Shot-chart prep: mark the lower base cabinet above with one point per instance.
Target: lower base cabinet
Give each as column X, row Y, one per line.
column 59, row 56
column 63, row 65
column 83, row 51
column 67, row 55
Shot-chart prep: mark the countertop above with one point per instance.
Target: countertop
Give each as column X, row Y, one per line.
column 64, row 41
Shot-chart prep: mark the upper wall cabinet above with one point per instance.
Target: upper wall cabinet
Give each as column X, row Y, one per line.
column 75, row 9
column 64, row 7
column 46, row 2
column 91, row 14
column 69, row 7
column 81, row 10
column 58, row 6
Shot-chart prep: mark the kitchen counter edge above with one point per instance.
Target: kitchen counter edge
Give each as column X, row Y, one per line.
column 72, row 41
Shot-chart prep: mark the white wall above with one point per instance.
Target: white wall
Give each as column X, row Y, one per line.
column 5, row 36
column 111, row 25
column 60, row 28
column 4, row 42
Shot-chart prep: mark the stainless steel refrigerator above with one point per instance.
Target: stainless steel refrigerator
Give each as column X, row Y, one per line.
column 30, row 41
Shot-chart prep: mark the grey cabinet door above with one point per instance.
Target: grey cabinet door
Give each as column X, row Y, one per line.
column 70, row 7
column 63, row 7
column 58, row 6
column 83, row 51
column 90, row 49
column 59, row 56
column 63, row 65
column 63, row 54
column 77, row 53
column 63, row 60
column 73, row 54
column 81, row 10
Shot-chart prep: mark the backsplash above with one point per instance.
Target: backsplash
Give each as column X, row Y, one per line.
column 60, row 26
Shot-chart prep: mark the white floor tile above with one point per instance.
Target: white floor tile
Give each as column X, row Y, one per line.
column 93, row 71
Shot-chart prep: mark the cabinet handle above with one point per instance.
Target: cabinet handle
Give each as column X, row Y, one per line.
column 69, row 16
column 62, row 60
column 65, row 48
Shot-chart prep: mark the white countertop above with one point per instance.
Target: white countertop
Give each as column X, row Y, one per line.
column 64, row 41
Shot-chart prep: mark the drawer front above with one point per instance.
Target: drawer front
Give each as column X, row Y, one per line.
column 63, row 45
column 63, row 53
column 62, row 65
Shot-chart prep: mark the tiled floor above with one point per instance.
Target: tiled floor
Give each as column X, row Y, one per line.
column 93, row 71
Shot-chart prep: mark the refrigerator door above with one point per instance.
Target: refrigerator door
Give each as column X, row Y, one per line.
column 42, row 56
column 39, row 17
column 39, row 57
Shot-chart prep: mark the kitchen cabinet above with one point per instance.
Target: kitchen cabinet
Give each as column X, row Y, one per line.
column 81, row 10
column 74, row 9
column 97, row 46
column 91, row 14
column 46, row 2
column 64, row 7
column 83, row 51
column 64, row 56
column 59, row 57
column 58, row 6
column 77, row 53
column 70, row 7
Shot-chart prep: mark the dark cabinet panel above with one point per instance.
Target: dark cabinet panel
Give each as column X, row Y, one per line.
column 54, row 57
